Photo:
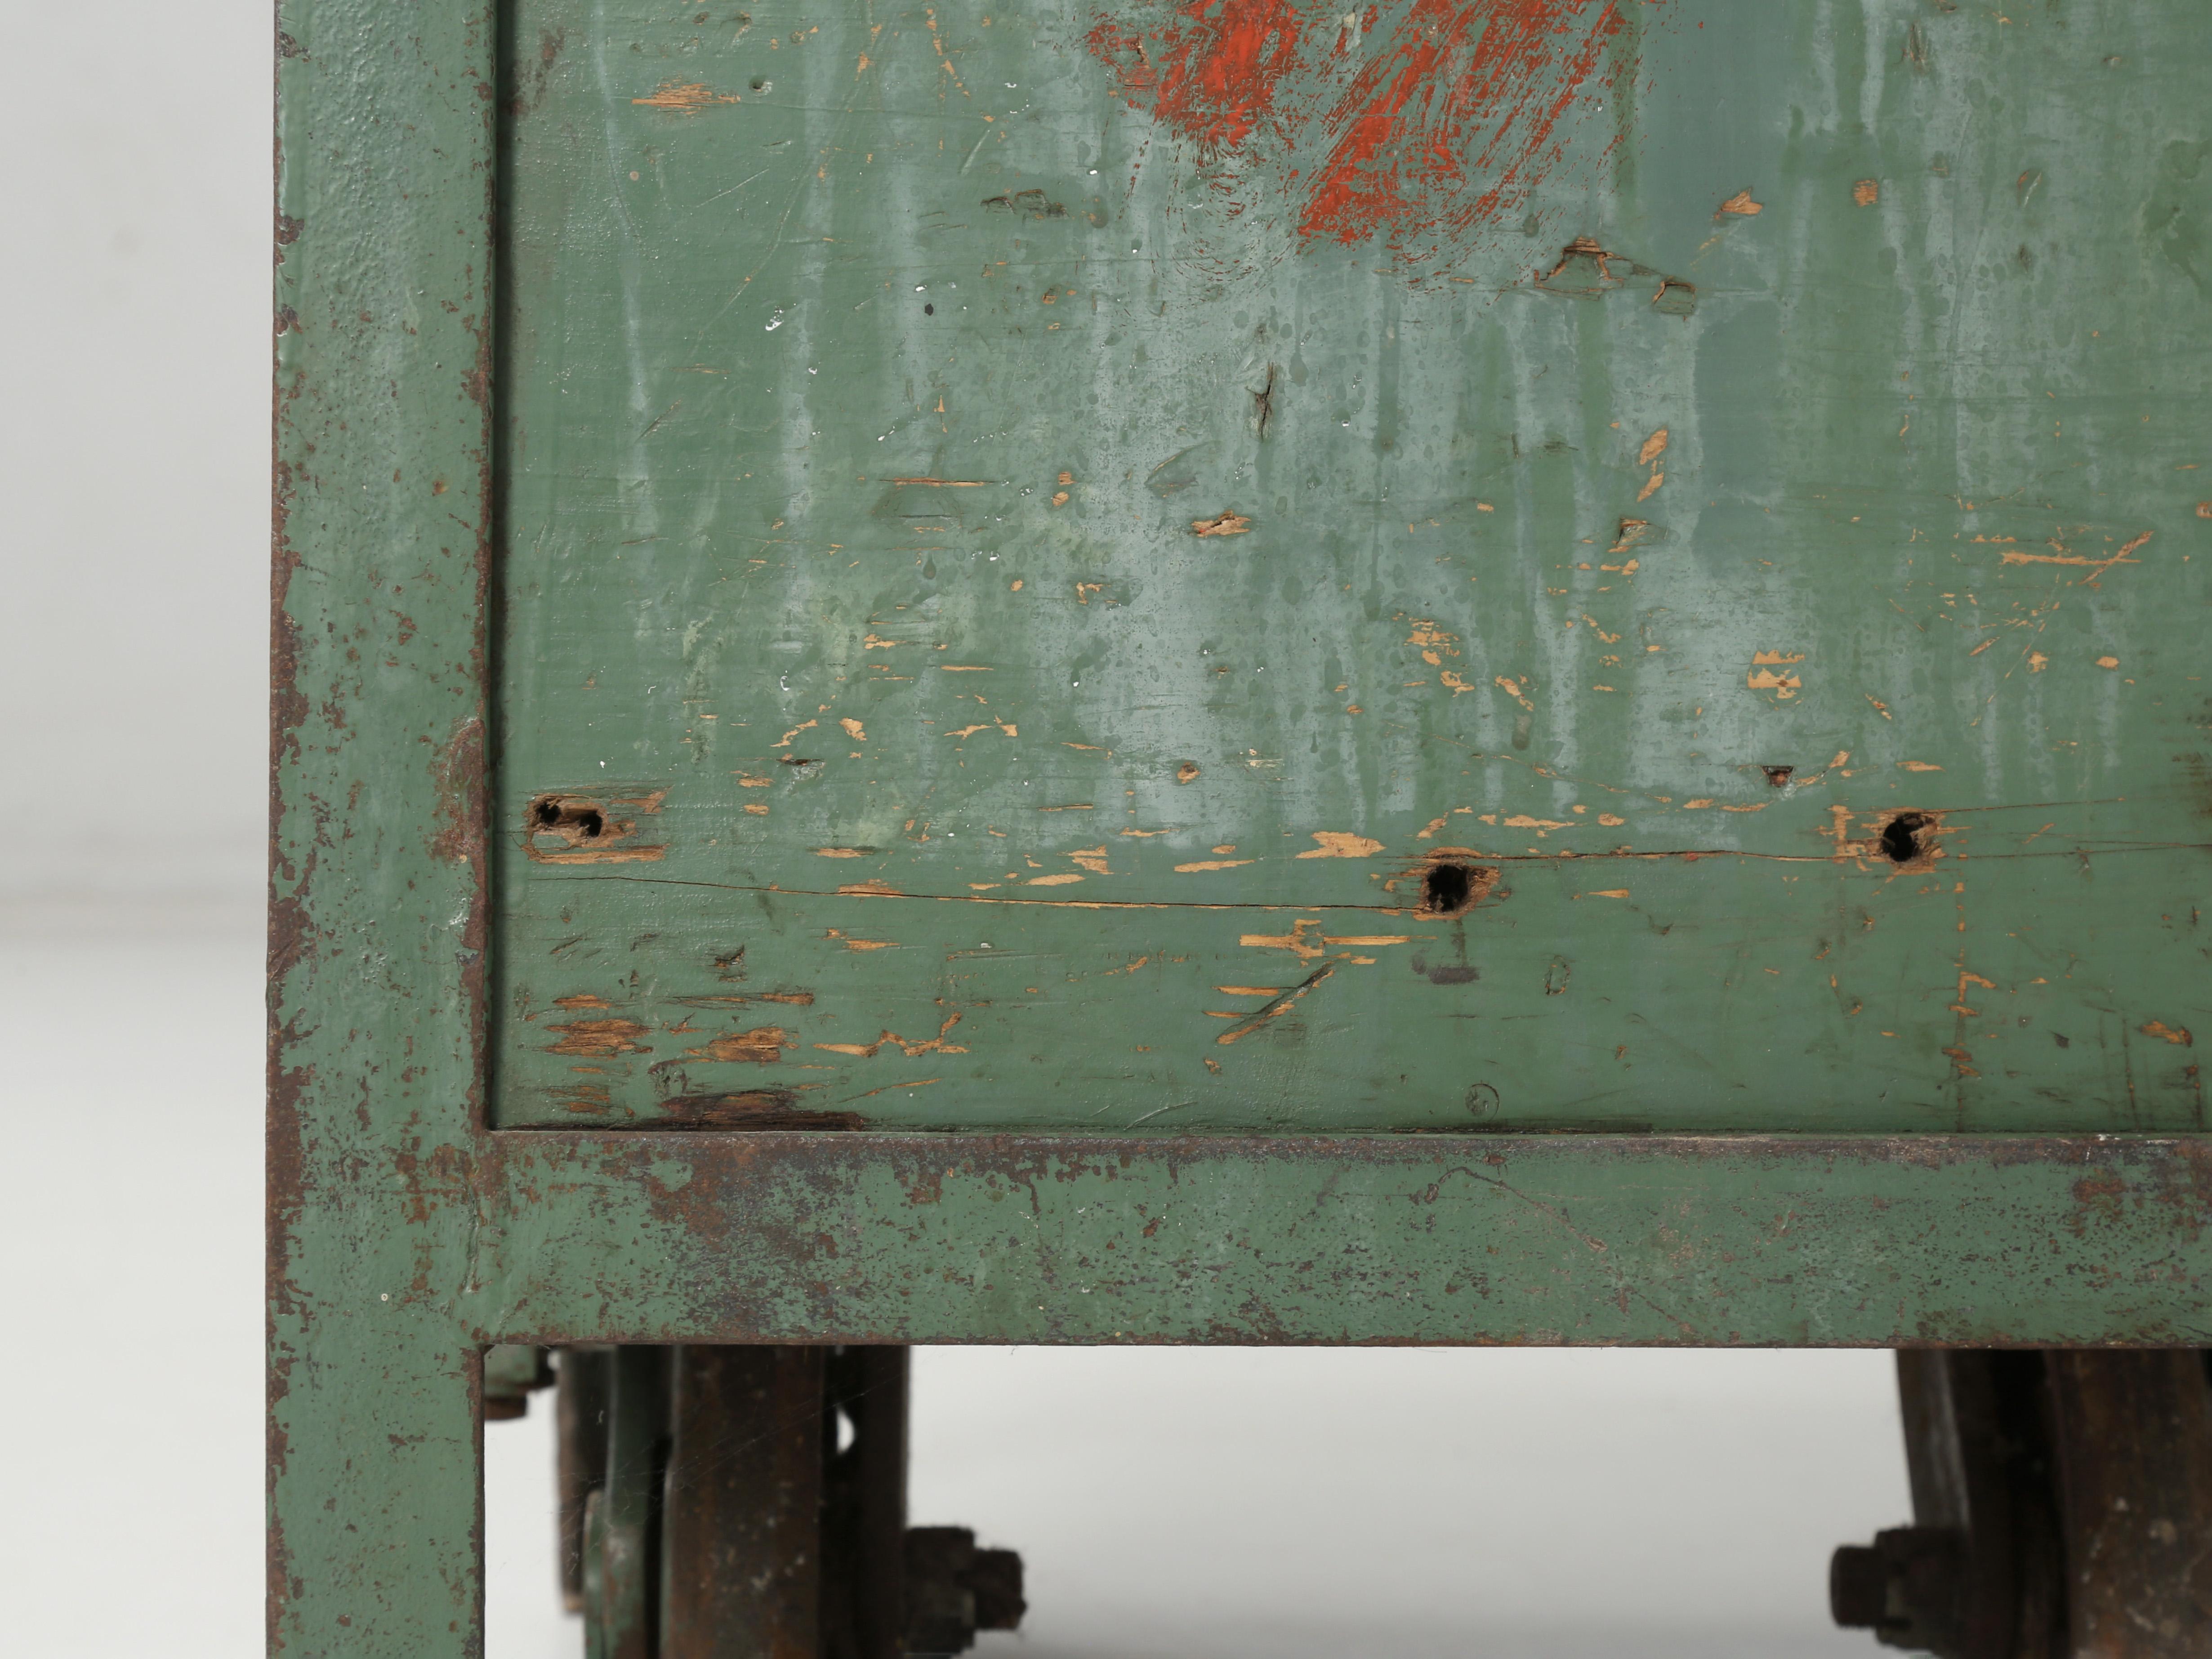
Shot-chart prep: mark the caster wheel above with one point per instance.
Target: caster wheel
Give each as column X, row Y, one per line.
column 750, row 1502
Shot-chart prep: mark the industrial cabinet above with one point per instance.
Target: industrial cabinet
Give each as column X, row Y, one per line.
column 1219, row 670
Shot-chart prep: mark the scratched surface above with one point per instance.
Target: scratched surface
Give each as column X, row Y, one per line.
column 1030, row 531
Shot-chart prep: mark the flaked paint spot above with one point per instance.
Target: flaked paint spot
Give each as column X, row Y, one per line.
column 762, row 1046
column 1338, row 844
column 686, row 97
column 600, row 1038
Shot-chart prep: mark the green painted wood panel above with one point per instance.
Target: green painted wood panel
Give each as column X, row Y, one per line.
column 871, row 371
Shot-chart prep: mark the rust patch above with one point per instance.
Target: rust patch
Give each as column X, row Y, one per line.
column 751, row 1108
column 2176, row 1035
column 2098, row 1198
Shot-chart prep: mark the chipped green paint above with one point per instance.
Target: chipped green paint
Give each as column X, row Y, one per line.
column 1921, row 409
column 1541, row 1239
column 872, row 374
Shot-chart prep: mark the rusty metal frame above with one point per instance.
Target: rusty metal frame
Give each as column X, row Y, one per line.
column 404, row 1235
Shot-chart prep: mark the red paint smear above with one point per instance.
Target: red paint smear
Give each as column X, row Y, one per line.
column 1211, row 77
column 1418, row 119
column 1463, row 93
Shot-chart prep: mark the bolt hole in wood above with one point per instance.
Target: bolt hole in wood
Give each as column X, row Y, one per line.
column 583, row 822
column 573, row 822
column 1900, row 837
column 1446, row 889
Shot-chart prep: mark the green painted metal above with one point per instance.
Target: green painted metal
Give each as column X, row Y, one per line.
column 1446, row 1239
column 382, row 514
column 638, row 1416
column 869, row 371
column 2027, row 252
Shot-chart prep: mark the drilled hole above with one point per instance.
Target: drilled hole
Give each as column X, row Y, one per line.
column 1900, row 837
column 1446, row 888
column 573, row 821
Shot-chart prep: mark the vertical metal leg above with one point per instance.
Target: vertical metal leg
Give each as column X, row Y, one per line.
column 583, row 1377
column 864, row 1519
column 637, row 1451
column 2134, row 1440
column 750, row 1502
column 743, row 1544
column 375, row 1487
